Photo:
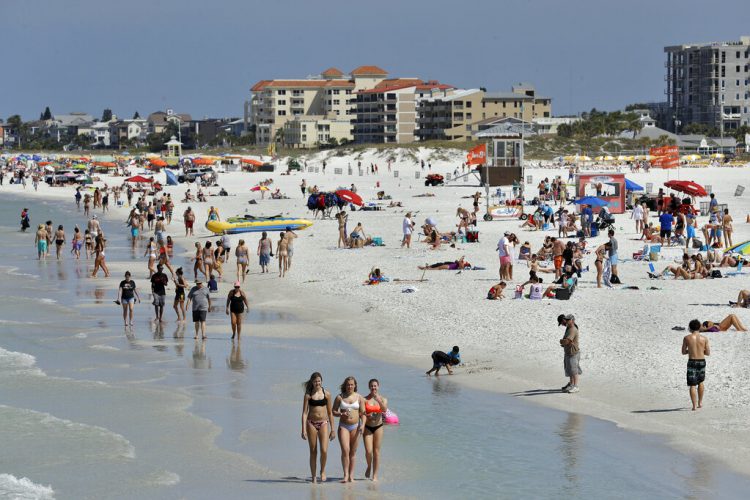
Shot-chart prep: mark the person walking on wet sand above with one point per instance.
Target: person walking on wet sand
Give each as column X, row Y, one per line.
column 201, row 304
column 127, row 293
column 696, row 347
column 317, row 420
column 235, row 309
column 569, row 342
column 41, row 242
column 281, row 252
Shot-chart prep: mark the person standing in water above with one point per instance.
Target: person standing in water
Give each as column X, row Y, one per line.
column 317, row 419
column 375, row 407
column 159, row 283
column 40, row 240
column 242, row 259
column 100, row 244
column 179, row 295
column 201, row 304
column 236, row 307
column 59, row 240
column 349, row 406
column 696, row 347
column 265, row 250
column 77, row 243
column 127, row 293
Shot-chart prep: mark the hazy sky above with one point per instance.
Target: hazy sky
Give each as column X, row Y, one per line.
column 202, row 56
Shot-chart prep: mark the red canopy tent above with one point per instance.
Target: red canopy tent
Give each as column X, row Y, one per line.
column 688, row 187
column 140, row 179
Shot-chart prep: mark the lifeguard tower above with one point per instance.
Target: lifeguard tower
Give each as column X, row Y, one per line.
column 174, row 151
column 505, row 159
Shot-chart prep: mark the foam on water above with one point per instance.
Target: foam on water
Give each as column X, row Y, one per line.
column 80, row 335
column 31, row 421
column 23, row 489
column 164, row 478
column 18, row 363
column 102, row 347
column 14, row 271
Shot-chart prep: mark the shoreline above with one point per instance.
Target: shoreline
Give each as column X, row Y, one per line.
column 641, row 412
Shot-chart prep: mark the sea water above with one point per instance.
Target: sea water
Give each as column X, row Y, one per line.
column 91, row 410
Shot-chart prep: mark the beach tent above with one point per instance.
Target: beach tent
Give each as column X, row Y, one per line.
column 202, row 161
column 250, row 161
column 632, row 186
column 171, row 178
column 688, row 187
column 592, row 201
column 742, row 248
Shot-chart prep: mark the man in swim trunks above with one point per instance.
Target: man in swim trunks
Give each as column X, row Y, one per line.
column 444, row 359
column 159, row 282
column 696, row 347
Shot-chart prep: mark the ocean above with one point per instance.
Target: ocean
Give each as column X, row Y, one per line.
column 91, row 410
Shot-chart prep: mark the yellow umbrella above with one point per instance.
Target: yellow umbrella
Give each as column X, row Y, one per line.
column 690, row 157
column 584, row 158
column 717, row 155
column 609, row 158
column 621, row 158
column 599, row 158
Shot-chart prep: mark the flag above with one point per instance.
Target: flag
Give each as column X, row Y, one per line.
column 477, row 155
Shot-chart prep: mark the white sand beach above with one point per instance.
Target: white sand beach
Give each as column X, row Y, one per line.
column 634, row 374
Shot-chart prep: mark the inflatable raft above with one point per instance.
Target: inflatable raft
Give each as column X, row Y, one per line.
column 250, row 224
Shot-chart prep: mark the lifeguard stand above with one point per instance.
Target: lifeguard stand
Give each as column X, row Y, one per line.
column 505, row 166
column 174, row 151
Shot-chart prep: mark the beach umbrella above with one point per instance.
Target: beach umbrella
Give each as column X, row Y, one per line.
column 80, row 166
column 157, row 162
column 717, row 155
column 690, row 157
column 202, row 161
column 599, row 158
column 591, row 200
column 609, row 158
column 259, row 188
column 139, row 179
column 584, row 158
column 632, row 186
column 349, row 196
column 742, row 248
column 250, row 161
column 688, row 187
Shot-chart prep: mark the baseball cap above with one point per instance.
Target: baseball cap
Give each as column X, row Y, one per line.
column 237, row 284
column 563, row 318
column 289, row 228
column 506, row 233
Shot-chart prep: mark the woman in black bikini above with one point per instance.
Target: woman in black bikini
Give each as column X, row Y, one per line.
column 317, row 418
column 601, row 251
column 179, row 295
column 375, row 408
column 236, row 306
column 59, row 240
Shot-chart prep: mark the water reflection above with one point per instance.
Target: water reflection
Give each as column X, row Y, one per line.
column 570, row 449
column 235, row 361
column 200, row 360
column 99, row 294
column 701, row 480
column 61, row 272
column 442, row 387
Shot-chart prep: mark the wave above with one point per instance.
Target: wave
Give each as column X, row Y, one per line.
column 33, row 421
column 102, row 347
column 14, row 271
column 23, row 489
column 18, row 363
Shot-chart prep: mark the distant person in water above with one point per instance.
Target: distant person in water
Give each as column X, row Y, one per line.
column 444, row 359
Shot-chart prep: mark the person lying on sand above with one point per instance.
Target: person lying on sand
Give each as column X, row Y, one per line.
column 724, row 325
column 729, row 260
column 456, row 265
column 424, row 195
column 743, row 299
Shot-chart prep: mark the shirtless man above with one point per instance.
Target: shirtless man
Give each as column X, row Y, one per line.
column 94, row 227
column 289, row 236
column 696, row 347
column 557, row 255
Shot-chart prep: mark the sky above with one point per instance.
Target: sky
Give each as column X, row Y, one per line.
column 202, row 56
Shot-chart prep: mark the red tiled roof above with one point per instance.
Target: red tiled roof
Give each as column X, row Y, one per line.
column 368, row 70
column 263, row 84
column 403, row 83
column 332, row 72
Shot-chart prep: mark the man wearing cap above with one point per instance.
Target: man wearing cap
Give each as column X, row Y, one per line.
column 200, row 300
column 94, row 227
column 569, row 342
column 290, row 236
column 159, row 283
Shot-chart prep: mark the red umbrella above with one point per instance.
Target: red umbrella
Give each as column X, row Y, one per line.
column 349, row 196
column 140, row 179
column 688, row 187
column 259, row 188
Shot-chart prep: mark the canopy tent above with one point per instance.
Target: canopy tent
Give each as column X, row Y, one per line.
column 688, row 187
column 202, row 161
column 592, row 201
column 250, row 161
column 157, row 162
column 632, row 186
column 140, row 179
column 105, row 164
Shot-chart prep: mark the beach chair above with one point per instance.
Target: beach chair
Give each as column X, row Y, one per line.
column 739, row 269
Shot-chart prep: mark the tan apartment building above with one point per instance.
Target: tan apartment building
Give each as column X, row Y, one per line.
column 311, row 131
column 329, row 96
column 387, row 113
column 455, row 116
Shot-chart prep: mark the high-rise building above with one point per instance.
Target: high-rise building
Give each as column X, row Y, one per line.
column 708, row 84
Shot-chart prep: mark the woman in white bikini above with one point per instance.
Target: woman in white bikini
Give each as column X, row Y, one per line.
column 349, row 406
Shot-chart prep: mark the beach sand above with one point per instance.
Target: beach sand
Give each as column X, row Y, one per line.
column 634, row 374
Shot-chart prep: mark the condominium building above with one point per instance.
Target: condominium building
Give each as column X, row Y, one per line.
column 708, row 83
column 328, row 96
column 312, row 131
column 387, row 113
column 456, row 116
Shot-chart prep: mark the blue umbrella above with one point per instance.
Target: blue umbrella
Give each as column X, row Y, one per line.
column 632, row 186
column 591, row 200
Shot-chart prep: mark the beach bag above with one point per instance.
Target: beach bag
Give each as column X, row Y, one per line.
column 615, row 280
column 563, row 293
column 715, row 273
column 697, row 243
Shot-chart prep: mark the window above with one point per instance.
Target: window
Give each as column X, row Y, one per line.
column 281, row 112
column 391, row 97
column 468, row 104
column 348, row 91
column 737, row 55
column 336, row 102
column 737, row 68
column 723, row 71
column 281, row 92
column 468, row 116
column 304, row 127
column 281, row 102
column 304, row 138
column 503, row 106
column 296, row 93
column 737, row 97
column 737, row 83
column 329, row 92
